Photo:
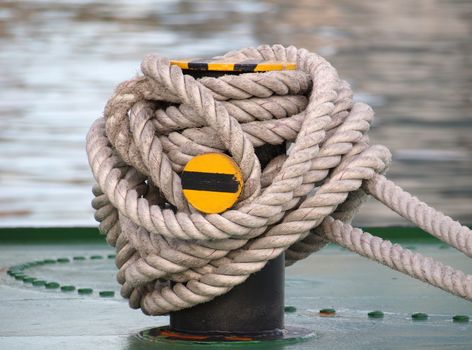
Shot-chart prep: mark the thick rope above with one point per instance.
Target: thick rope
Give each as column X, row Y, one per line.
column 302, row 147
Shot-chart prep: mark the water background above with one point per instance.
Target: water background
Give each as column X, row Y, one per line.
column 60, row 61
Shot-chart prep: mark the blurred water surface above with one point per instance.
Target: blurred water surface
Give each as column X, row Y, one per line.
column 60, row 60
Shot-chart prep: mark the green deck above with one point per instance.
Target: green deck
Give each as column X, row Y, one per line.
column 34, row 317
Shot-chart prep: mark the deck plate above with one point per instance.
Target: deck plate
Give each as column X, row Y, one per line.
column 40, row 318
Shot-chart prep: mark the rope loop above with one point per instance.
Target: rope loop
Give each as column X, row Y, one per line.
column 302, row 146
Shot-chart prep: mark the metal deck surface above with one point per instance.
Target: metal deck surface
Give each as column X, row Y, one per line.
column 34, row 317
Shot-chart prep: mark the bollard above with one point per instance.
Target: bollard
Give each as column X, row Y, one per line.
column 256, row 307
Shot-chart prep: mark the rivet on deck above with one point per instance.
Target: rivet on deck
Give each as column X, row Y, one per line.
column 67, row 288
column 327, row 312
column 460, row 318
column 83, row 291
column 375, row 314
column 419, row 316
column 290, row 309
column 52, row 285
column 39, row 283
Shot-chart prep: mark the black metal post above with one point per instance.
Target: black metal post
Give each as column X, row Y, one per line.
column 254, row 308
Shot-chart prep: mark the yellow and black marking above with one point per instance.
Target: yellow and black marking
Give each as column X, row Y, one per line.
column 243, row 66
column 211, row 182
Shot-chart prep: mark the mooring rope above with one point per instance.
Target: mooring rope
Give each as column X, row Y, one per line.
column 169, row 255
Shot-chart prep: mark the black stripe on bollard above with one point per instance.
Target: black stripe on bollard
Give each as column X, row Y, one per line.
column 214, row 182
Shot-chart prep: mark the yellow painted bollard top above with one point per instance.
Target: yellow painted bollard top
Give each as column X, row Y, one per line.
column 212, row 182
column 243, row 66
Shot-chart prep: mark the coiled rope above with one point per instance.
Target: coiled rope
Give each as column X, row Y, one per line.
column 295, row 201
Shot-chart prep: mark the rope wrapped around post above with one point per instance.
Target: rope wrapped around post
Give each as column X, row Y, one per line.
column 297, row 201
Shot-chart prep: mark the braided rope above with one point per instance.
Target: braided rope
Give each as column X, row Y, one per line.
column 295, row 201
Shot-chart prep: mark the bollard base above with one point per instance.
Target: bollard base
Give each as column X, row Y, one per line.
column 253, row 307
column 282, row 336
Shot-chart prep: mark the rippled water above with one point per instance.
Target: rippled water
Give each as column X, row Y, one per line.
column 60, row 60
